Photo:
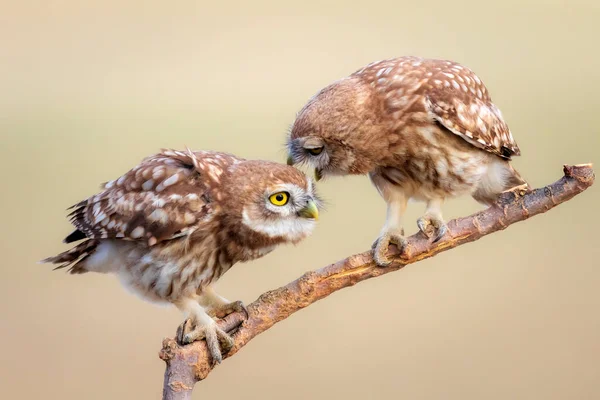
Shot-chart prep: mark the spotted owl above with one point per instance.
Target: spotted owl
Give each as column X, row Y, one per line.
column 174, row 224
column 421, row 129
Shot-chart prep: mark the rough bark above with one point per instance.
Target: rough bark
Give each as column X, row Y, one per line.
column 189, row 364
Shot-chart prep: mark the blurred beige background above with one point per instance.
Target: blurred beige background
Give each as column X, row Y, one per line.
column 89, row 88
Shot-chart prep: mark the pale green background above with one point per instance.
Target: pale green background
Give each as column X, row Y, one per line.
column 88, row 88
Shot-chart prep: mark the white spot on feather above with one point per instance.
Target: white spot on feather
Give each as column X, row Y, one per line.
column 137, row 232
column 171, row 180
column 148, row 185
column 158, row 202
column 158, row 173
column 100, row 217
column 159, row 215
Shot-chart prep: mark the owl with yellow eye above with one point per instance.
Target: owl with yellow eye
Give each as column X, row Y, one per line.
column 172, row 226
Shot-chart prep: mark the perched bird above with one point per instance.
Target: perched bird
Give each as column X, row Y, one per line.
column 174, row 224
column 420, row 128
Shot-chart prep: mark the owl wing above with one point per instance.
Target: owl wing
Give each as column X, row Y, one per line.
column 166, row 196
column 459, row 101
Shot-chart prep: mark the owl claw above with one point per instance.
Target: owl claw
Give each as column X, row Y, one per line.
column 182, row 330
column 432, row 227
column 441, row 232
column 380, row 247
column 217, row 340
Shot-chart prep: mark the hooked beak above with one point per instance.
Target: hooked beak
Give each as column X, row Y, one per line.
column 318, row 174
column 310, row 211
column 290, row 160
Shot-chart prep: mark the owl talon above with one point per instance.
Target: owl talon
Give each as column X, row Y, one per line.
column 441, row 232
column 182, row 330
column 380, row 247
column 432, row 227
column 217, row 340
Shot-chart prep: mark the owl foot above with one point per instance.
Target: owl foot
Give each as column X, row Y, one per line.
column 432, row 226
column 223, row 310
column 217, row 340
column 380, row 247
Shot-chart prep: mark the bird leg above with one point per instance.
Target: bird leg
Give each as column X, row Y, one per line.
column 392, row 232
column 218, row 306
column 200, row 326
column 432, row 223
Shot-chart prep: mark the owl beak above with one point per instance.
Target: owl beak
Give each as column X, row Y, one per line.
column 310, row 211
column 290, row 160
column 318, row 174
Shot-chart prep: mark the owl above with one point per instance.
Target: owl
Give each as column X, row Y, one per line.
column 420, row 129
column 172, row 226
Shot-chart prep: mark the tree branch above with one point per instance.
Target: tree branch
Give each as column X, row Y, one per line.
column 190, row 364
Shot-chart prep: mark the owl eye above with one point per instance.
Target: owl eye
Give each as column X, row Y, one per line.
column 315, row 151
column 279, row 199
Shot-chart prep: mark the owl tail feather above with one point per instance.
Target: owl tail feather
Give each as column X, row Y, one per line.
column 500, row 177
column 74, row 257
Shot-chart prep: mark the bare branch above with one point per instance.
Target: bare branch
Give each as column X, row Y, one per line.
column 189, row 364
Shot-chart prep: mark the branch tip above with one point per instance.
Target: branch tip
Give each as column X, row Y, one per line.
column 581, row 172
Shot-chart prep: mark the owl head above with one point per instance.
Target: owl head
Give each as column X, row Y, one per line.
column 276, row 202
column 334, row 131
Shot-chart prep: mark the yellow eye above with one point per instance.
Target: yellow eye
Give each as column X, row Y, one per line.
column 279, row 199
column 316, row 151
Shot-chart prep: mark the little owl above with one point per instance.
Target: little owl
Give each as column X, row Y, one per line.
column 174, row 224
column 420, row 128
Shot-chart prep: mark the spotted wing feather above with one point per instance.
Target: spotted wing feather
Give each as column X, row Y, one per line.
column 162, row 198
column 459, row 101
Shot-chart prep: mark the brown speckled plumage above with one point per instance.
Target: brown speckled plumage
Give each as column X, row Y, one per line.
column 420, row 128
column 179, row 220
